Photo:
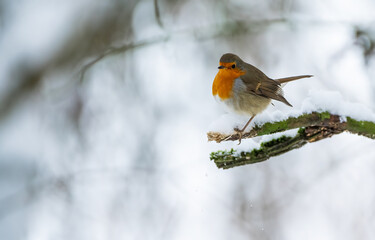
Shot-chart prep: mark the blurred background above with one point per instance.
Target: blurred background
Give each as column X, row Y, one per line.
column 105, row 105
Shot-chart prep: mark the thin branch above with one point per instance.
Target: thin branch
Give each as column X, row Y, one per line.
column 157, row 14
column 312, row 127
column 117, row 50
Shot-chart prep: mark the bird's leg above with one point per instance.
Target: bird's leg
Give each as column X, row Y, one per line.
column 240, row 132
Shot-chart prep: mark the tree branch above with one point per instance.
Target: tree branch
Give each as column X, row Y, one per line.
column 312, row 127
column 117, row 50
column 157, row 14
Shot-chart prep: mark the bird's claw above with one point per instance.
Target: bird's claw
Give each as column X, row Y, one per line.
column 239, row 132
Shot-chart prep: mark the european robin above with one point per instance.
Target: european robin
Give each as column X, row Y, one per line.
column 245, row 89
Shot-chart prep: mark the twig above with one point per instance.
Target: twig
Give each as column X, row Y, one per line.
column 157, row 14
column 118, row 50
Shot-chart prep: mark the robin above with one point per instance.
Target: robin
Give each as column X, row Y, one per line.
column 245, row 89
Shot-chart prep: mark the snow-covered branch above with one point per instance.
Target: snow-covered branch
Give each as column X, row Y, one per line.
column 312, row 127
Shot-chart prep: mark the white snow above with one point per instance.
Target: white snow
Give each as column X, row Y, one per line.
column 335, row 103
column 288, row 133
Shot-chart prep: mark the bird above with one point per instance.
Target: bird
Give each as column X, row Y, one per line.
column 245, row 89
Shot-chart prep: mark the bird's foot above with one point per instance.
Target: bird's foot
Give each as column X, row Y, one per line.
column 240, row 133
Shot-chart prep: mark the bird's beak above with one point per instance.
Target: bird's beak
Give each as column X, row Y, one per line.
column 221, row 67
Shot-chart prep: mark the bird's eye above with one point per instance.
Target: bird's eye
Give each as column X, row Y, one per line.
column 234, row 65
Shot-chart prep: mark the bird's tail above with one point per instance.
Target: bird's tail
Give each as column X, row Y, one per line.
column 288, row 79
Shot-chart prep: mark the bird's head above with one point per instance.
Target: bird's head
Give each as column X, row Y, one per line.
column 231, row 64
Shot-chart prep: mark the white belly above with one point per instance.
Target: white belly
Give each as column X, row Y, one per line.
column 243, row 102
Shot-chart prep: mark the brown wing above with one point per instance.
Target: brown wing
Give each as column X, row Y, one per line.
column 259, row 84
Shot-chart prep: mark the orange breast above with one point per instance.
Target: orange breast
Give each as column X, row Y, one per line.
column 223, row 82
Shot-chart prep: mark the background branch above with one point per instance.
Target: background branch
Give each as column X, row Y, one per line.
column 117, row 50
column 157, row 14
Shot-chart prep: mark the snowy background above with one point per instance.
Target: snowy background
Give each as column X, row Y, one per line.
column 118, row 149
